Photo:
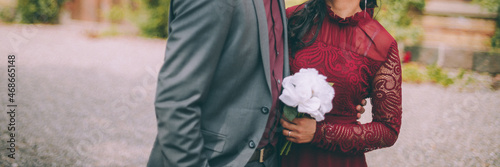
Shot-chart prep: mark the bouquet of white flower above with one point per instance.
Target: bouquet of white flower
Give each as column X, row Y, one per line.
column 306, row 92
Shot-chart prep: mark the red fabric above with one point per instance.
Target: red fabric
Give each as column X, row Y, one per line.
column 275, row 32
column 361, row 58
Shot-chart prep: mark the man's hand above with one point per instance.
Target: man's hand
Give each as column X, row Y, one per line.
column 360, row 109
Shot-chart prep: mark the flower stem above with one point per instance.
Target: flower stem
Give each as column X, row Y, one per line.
column 287, row 146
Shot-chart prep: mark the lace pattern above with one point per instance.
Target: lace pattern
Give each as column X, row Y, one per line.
column 384, row 129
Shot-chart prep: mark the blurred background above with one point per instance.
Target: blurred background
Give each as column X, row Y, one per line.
column 86, row 76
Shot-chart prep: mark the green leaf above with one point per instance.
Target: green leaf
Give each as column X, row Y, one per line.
column 290, row 112
column 330, row 83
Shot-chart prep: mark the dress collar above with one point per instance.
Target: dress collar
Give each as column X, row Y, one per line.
column 351, row 20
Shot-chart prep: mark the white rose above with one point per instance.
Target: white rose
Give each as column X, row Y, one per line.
column 309, row 92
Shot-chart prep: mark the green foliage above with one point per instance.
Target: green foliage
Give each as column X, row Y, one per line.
column 157, row 23
column 110, row 32
column 417, row 73
column 493, row 6
column 461, row 73
column 116, row 14
column 397, row 17
column 495, row 39
column 412, row 73
column 438, row 75
column 39, row 11
column 8, row 14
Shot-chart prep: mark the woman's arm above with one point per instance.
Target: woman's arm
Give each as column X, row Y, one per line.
column 384, row 129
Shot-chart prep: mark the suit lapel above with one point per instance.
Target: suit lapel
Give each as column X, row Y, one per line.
column 263, row 39
column 286, row 68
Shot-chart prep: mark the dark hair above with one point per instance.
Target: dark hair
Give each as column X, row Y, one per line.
column 312, row 15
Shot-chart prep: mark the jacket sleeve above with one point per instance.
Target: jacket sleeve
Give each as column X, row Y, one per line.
column 384, row 129
column 197, row 33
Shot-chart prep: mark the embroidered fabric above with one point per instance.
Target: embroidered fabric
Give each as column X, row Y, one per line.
column 361, row 58
column 384, row 129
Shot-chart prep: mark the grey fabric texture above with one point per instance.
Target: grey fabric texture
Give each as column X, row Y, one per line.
column 213, row 83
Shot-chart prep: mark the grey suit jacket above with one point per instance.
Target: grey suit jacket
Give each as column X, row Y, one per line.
column 214, row 84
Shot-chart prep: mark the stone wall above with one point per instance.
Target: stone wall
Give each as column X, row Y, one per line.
column 481, row 61
column 457, row 34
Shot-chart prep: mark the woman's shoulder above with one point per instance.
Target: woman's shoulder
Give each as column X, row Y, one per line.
column 291, row 10
column 383, row 41
column 376, row 31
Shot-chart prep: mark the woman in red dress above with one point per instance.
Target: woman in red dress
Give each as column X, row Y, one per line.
column 342, row 41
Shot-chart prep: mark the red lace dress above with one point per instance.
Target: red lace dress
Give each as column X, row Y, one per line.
column 361, row 58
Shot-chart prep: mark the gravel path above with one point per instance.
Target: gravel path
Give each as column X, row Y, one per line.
column 89, row 102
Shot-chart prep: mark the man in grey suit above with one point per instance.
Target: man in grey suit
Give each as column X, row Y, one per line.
column 214, row 98
column 217, row 95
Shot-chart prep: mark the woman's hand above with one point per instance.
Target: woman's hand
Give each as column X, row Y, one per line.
column 300, row 130
column 360, row 109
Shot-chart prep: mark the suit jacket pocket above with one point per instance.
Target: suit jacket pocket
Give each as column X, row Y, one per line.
column 213, row 141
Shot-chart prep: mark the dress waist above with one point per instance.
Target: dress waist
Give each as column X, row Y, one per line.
column 337, row 119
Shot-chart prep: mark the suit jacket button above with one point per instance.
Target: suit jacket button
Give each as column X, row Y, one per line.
column 264, row 110
column 251, row 144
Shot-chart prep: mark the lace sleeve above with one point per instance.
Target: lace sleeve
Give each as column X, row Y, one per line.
column 384, row 129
